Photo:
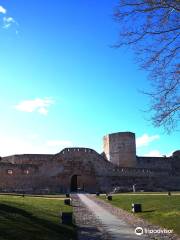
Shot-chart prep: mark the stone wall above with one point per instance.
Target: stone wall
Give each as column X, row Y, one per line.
column 155, row 163
column 27, row 158
column 93, row 172
column 49, row 175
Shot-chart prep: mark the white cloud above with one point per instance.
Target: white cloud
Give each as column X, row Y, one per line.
column 8, row 19
column 8, row 22
column 43, row 110
column 33, row 136
column 154, row 153
column 10, row 145
column 145, row 139
column 40, row 105
column 2, row 10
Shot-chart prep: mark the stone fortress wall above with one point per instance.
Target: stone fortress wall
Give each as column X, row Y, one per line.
column 83, row 168
column 27, row 158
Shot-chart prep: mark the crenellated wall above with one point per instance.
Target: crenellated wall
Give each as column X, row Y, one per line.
column 27, row 158
column 85, row 169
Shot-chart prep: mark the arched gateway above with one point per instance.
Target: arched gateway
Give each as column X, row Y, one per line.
column 82, row 183
column 74, row 183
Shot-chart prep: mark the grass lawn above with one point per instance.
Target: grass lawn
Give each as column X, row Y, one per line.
column 150, row 193
column 33, row 218
column 161, row 210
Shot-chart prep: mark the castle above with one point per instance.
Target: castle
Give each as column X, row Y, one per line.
column 84, row 169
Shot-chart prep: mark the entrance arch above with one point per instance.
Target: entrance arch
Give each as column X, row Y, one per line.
column 84, row 183
column 74, row 183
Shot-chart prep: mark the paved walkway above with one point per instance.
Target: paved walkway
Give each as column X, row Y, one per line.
column 115, row 227
column 88, row 226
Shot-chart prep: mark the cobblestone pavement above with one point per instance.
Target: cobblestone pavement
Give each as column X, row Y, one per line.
column 97, row 220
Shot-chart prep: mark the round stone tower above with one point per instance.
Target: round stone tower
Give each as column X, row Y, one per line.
column 120, row 148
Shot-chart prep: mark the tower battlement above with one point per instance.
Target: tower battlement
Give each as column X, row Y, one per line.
column 120, row 148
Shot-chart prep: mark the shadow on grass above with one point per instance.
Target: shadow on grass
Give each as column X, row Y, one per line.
column 9, row 209
column 21, row 224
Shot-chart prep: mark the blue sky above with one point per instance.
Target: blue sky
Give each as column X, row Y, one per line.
column 62, row 84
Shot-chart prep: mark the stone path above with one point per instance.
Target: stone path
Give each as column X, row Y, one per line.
column 89, row 228
column 116, row 227
column 96, row 223
column 98, row 220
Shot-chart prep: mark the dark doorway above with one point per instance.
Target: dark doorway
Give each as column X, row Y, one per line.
column 74, row 184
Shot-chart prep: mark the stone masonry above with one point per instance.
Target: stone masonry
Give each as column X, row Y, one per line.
column 83, row 169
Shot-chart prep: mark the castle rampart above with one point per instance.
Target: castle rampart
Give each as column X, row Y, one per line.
column 83, row 168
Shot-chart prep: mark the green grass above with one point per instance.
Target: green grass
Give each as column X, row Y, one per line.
column 161, row 210
column 33, row 218
column 150, row 193
column 33, row 195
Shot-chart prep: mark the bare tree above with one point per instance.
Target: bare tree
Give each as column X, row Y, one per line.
column 152, row 28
